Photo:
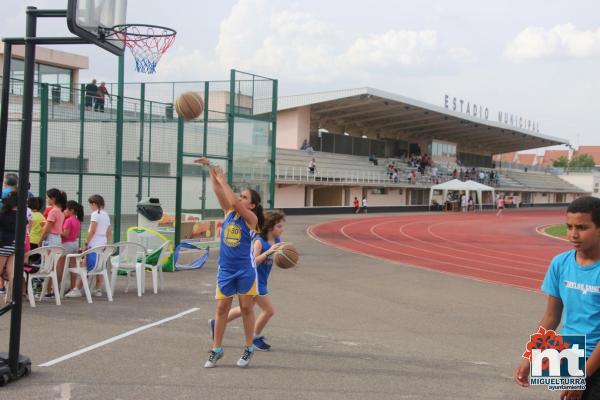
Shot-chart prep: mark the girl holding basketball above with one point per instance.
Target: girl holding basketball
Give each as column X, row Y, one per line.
column 264, row 246
column 236, row 274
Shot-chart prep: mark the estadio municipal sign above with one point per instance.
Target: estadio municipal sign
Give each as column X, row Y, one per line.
column 481, row 111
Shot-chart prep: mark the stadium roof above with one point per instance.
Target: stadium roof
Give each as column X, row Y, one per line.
column 367, row 110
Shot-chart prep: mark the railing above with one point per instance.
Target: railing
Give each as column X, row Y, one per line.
column 303, row 174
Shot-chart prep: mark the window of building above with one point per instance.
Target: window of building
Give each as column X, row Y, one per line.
column 65, row 164
column 60, row 77
column 442, row 149
column 153, row 168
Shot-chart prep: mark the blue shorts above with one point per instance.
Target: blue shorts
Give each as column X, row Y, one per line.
column 90, row 261
column 240, row 281
column 263, row 290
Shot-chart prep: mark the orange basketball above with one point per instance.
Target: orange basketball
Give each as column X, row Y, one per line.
column 189, row 105
column 286, row 256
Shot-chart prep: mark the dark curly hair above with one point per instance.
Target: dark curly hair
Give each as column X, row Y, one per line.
column 272, row 218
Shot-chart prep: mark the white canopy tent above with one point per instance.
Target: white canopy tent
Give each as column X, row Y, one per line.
column 455, row 185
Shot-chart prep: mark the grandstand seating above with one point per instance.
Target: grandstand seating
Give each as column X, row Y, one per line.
column 541, row 181
column 292, row 165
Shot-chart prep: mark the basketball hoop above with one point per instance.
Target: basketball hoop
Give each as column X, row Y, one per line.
column 146, row 42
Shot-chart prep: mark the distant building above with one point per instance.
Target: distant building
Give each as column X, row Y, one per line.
column 593, row 151
column 52, row 66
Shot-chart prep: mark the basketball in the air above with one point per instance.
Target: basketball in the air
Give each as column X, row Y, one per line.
column 189, row 105
column 286, row 256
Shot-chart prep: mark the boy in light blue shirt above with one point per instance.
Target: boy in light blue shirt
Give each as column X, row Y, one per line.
column 572, row 283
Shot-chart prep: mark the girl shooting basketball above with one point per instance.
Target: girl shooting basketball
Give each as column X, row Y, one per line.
column 236, row 274
column 264, row 246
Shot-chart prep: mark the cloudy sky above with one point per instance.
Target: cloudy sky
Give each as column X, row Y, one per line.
column 537, row 59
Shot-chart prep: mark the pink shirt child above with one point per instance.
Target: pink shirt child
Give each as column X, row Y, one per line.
column 500, row 202
column 56, row 215
column 74, row 226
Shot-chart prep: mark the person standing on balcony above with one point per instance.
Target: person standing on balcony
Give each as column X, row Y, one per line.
column 100, row 95
column 312, row 165
column 90, row 94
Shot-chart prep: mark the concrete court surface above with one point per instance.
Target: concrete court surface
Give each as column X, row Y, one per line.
column 346, row 327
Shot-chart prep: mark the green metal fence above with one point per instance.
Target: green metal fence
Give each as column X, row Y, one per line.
column 77, row 149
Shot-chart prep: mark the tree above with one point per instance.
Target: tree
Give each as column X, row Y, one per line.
column 582, row 161
column 561, row 162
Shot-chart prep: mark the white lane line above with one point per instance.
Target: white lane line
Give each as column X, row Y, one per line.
column 115, row 338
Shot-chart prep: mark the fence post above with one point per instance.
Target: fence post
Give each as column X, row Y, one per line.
column 273, row 144
column 82, row 100
column 230, row 127
column 43, row 182
column 179, row 181
column 204, row 146
column 119, row 153
column 149, row 147
column 141, row 152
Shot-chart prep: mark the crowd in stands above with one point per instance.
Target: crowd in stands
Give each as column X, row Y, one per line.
column 486, row 177
column 53, row 221
column 421, row 168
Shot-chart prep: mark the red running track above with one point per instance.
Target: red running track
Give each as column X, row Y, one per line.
column 506, row 249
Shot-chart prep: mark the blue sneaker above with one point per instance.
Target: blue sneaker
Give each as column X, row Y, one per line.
column 211, row 326
column 260, row 344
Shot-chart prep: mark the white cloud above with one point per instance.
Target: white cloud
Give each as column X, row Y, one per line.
column 393, row 48
column 291, row 43
column 462, row 55
column 181, row 64
column 559, row 41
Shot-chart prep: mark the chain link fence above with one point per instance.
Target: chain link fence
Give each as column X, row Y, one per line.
column 75, row 148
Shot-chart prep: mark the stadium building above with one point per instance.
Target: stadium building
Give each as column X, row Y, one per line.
column 348, row 128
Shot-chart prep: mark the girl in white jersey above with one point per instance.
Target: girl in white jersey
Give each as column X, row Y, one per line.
column 99, row 234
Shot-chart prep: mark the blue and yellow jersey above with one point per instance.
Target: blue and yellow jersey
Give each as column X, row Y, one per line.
column 264, row 269
column 235, row 251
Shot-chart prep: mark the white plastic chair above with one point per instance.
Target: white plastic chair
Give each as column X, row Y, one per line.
column 127, row 261
column 103, row 254
column 49, row 257
column 157, row 272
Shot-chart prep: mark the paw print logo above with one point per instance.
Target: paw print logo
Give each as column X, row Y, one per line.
column 542, row 340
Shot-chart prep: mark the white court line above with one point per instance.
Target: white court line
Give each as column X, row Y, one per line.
column 115, row 338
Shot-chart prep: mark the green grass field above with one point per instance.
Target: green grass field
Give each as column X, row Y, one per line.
column 557, row 230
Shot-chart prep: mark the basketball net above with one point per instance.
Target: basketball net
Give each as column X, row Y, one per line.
column 147, row 43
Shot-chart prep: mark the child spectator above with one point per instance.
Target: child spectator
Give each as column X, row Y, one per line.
column 9, row 185
column 70, row 236
column 99, row 234
column 54, row 221
column 8, row 225
column 36, row 226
